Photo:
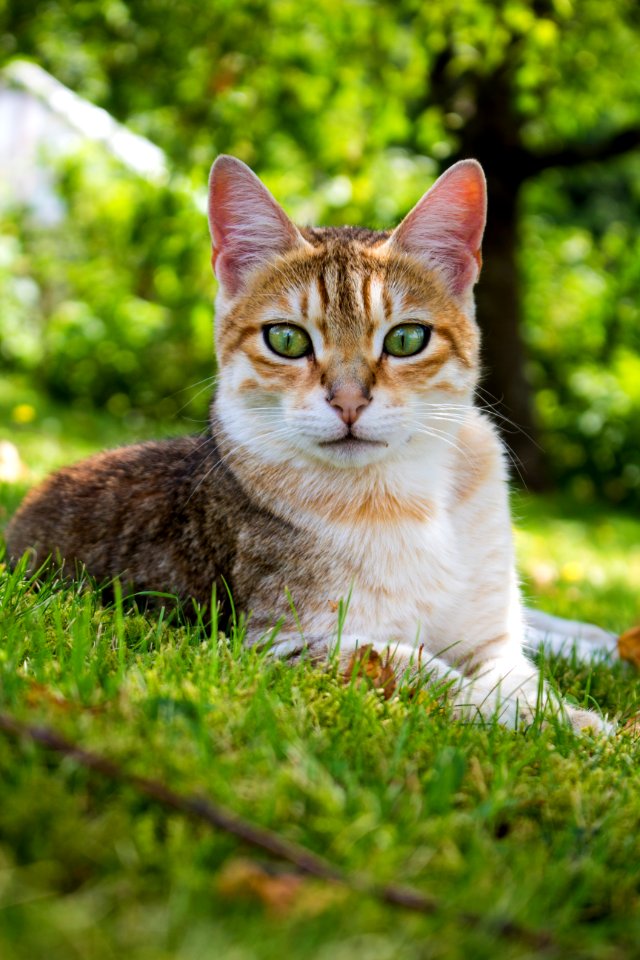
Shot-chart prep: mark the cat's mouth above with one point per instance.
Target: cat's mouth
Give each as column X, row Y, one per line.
column 350, row 441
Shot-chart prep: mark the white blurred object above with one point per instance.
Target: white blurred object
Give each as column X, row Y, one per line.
column 544, row 631
column 12, row 468
column 40, row 120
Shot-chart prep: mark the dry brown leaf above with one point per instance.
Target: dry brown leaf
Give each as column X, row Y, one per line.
column 39, row 694
column 242, row 879
column 367, row 663
column 632, row 727
column 629, row 646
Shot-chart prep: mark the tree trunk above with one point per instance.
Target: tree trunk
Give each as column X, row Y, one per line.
column 504, row 383
column 492, row 136
column 498, row 297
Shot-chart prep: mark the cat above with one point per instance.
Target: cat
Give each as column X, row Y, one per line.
column 344, row 456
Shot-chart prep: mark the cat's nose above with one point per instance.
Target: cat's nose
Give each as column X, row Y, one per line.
column 349, row 401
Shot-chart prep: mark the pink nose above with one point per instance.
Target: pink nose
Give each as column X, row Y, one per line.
column 349, row 402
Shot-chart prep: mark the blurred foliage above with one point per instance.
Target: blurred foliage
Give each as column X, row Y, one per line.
column 580, row 260
column 320, row 87
column 347, row 110
column 112, row 306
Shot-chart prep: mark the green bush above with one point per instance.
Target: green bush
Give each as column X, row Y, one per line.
column 581, row 272
column 112, row 306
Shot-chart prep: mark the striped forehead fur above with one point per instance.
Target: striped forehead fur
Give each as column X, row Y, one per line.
column 347, row 282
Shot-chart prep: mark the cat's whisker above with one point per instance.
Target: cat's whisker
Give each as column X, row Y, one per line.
column 429, row 412
column 439, row 435
column 454, row 415
column 492, row 404
column 444, row 407
column 200, row 446
column 515, row 462
column 428, row 416
column 446, row 420
column 193, row 398
column 206, row 380
column 256, row 439
column 471, row 412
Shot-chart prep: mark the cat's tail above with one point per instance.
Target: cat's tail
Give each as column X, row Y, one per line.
column 544, row 631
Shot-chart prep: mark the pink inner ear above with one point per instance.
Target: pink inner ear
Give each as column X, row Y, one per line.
column 445, row 228
column 248, row 227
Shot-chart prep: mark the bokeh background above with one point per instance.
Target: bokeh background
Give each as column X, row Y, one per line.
column 348, row 109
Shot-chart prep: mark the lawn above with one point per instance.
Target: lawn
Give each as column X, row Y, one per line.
column 529, row 842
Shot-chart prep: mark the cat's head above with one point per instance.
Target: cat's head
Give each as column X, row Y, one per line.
column 344, row 345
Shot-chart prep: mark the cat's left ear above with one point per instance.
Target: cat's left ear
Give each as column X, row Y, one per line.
column 444, row 229
column 248, row 228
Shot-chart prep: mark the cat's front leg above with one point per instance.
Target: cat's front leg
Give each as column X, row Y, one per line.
column 508, row 689
column 484, row 633
column 511, row 689
column 498, row 679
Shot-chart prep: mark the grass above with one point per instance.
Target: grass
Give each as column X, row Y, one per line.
column 537, row 827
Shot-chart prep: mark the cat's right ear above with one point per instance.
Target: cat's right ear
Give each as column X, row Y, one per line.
column 444, row 230
column 248, row 228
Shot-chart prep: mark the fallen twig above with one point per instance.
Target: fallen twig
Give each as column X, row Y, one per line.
column 268, row 841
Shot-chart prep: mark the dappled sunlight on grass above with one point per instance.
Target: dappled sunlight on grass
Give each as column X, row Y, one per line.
column 579, row 562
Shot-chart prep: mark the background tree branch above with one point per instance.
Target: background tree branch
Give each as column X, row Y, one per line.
column 588, row 152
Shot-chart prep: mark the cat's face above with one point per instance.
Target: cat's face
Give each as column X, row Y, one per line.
column 344, row 346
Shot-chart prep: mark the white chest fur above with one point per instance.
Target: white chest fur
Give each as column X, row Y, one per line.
column 403, row 579
column 438, row 572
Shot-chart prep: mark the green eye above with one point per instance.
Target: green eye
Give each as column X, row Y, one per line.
column 287, row 340
column 407, row 339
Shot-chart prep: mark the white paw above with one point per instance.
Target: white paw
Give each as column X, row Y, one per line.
column 587, row 721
